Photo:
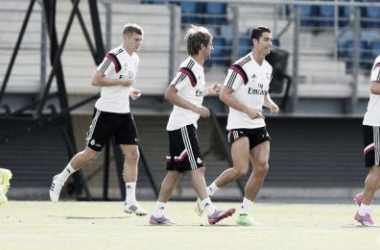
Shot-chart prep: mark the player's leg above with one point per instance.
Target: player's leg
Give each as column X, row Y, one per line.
column 371, row 137
column 97, row 136
column 260, row 157
column 5, row 177
column 240, row 158
column 214, row 215
column 167, row 187
column 76, row 163
column 132, row 155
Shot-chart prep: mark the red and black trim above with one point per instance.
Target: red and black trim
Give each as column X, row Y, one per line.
column 189, row 73
column 115, row 61
column 240, row 71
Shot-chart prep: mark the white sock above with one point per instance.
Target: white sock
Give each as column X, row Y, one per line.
column 130, row 187
column 246, row 206
column 209, row 206
column 159, row 209
column 65, row 174
column 364, row 209
column 211, row 190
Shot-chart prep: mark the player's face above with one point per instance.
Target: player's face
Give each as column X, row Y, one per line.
column 209, row 49
column 133, row 42
column 265, row 43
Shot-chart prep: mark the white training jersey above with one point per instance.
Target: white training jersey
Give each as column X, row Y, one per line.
column 372, row 116
column 190, row 83
column 250, row 82
column 117, row 64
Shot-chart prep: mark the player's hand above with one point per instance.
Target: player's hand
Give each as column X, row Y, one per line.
column 274, row 109
column 254, row 114
column 135, row 94
column 202, row 111
column 127, row 82
column 214, row 89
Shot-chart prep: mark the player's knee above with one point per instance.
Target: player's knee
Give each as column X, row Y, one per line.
column 133, row 155
column 90, row 155
column 239, row 172
column 261, row 170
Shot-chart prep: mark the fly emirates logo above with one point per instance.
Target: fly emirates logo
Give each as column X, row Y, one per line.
column 257, row 91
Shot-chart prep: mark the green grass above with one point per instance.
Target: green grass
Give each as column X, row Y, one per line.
column 103, row 225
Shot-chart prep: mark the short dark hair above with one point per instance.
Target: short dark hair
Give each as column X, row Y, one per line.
column 195, row 36
column 131, row 28
column 258, row 31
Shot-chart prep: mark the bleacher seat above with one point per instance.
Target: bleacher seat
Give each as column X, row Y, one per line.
column 216, row 13
column 326, row 15
column 308, row 13
column 220, row 55
column 227, row 32
column 190, row 12
column 245, row 46
column 363, row 52
column 371, row 15
column 374, row 49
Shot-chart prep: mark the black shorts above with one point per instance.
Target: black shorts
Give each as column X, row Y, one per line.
column 184, row 150
column 255, row 136
column 104, row 125
column 371, row 145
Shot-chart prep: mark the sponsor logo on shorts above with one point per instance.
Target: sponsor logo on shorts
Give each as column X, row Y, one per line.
column 199, row 160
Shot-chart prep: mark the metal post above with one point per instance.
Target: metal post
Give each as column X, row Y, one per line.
column 355, row 64
column 173, row 41
column 16, row 49
column 336, row 29
column 108, row 8
column 235, row 40
column 43, row 55
column 106, row 171
column 296, row 31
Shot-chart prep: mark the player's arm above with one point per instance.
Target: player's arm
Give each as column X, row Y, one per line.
column 375, row 87
column 135, row 93
column 99, row 79
column 270, row 104
column 227, row 98
column 172, row 96
column 214, row 89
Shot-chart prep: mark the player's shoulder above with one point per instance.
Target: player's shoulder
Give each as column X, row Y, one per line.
column 188, row 63
column 244, row 61
column 116, row 51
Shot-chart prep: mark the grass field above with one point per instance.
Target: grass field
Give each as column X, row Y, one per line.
column 103, row 225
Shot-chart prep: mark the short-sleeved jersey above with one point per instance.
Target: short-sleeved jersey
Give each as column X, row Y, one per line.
column 190, row 83
column 250, row 82
column 372, row 116
column 117, row 64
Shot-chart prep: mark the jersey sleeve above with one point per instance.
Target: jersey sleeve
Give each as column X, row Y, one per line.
column 235, row 77
column 375, row 73
column 110, row 65
column 184, row 77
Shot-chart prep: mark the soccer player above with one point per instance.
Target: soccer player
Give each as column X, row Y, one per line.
column 112, row 117
column 371, row 138
column 245, row 91
column 186, row 92
column 5, row 176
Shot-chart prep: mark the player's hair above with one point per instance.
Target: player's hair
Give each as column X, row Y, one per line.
column 258, row 31
column 195, row 36
column 131, row 28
